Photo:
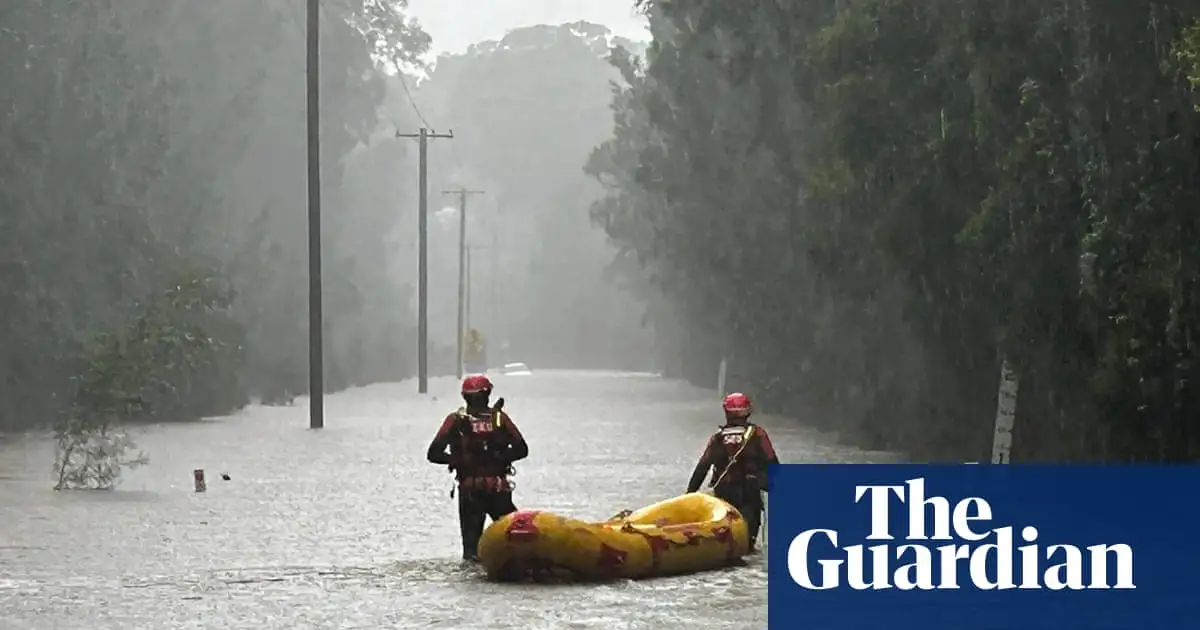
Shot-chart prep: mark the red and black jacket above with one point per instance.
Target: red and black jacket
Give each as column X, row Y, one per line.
column 481, row 443
column 738, row 455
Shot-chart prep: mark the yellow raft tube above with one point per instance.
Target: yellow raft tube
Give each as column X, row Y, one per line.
column 687, row 534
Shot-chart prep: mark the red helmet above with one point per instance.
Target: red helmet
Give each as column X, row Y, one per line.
column 737, row 405
column 475, row 384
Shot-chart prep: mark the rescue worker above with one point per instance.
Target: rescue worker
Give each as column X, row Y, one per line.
column 479, row 443
column 738, row 453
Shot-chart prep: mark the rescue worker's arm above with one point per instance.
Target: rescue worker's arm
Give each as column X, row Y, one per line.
column 769, row 457
column 517, row 448
column 768, row 449
column 438, row 452
column 702, row 467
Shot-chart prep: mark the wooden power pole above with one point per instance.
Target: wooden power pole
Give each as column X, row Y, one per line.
column 462, row 270
column 423, row 137
column 316, row 360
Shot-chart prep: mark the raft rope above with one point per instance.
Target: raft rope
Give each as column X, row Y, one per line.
column 619, row 516
column 762, row 527
column 732, row 460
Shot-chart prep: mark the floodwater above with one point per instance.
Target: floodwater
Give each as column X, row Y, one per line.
column 350, row 527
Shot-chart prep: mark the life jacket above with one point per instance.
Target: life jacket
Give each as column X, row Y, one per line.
column 481, row 447
column 739, row 460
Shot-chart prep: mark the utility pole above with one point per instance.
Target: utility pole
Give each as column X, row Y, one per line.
column 316, row 359
column 493, row 308
column 423, row 137
column 467, row 300
column 500, row 335
column 462, row 268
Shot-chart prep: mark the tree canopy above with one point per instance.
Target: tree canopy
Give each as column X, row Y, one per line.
column 143, row 142
column 867, row 205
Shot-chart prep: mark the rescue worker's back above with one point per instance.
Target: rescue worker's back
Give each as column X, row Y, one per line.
column 738, row 454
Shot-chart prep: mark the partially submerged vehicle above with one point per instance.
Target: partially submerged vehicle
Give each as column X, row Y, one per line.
column 516, row 369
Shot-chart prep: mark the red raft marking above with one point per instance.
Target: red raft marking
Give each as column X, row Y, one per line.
column 691, row 532
column 658, row 544
column 521, row 528
column 725, row 535
column 693, row 535
column 610, row 560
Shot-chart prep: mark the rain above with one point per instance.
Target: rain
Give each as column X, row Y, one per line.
column 932, row 232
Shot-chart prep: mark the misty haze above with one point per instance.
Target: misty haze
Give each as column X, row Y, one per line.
column 878, row 231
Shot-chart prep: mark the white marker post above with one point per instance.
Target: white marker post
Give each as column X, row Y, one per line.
column 762, row 527
column 1006, row 415
column 721, row 378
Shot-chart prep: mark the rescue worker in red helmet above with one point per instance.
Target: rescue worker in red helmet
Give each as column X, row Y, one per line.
column 479, row 443
column 738, row 454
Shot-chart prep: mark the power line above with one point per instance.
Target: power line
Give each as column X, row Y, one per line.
column 411, row 101
column 399, row 73
column 417, row 110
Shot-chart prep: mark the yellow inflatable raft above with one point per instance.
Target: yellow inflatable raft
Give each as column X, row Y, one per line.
column 690, row 533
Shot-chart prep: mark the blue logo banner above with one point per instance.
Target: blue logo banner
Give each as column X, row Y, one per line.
column 982, row 547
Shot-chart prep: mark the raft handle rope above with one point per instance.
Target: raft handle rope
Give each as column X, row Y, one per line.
column 620, row 516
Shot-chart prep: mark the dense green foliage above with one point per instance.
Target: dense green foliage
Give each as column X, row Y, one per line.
column 177, row 358
column 865, row 204
column 139, row 141
column 174, row 358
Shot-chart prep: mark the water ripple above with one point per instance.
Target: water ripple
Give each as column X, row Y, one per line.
column 350, row 528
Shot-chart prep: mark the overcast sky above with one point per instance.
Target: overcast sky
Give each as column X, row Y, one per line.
column 456, row 24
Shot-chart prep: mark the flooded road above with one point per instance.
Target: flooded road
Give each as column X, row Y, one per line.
column 349, row 527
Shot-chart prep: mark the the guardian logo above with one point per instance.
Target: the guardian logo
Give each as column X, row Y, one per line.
column 987, row 565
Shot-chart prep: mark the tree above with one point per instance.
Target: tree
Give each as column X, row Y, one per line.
column 180, row 355
column 138, row 142
column 869, row 204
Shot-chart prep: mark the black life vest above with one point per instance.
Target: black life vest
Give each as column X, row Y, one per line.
column 482, row 445
column 738, row 459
